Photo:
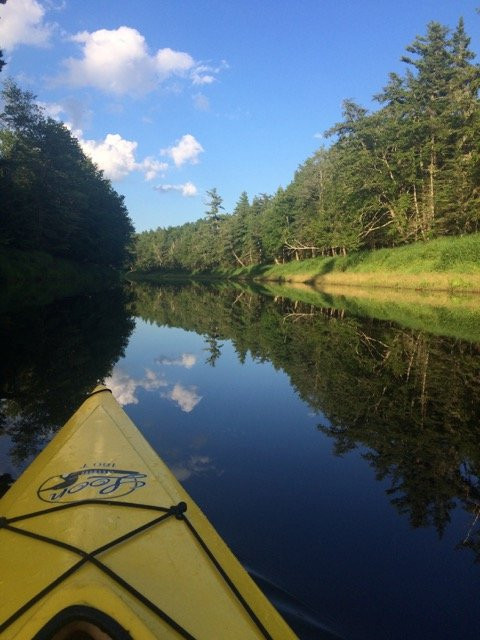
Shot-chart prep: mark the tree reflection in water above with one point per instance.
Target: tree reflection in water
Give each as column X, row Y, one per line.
column 411, row 398
column 52, row 356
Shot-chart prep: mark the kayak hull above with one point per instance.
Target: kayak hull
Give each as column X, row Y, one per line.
column 98, row 521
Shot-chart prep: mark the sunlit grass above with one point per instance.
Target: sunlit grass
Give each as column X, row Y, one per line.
column 452, row 315
column 449, row 264
column 445, row 263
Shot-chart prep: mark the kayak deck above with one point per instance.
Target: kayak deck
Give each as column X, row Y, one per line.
column 98, row 521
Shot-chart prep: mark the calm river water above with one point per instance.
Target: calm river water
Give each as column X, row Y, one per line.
column 338, row 455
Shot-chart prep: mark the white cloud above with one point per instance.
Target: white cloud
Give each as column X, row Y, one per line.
column 124, row 387
column 319, row 136
column 118, row 61
column 187, row 149
column 21, row 22
column 188, row 189
column 198, row 78
column 187, row 360
column 51, row 109
column 115, row 156
column 151, row 167
column 115, row 61
column 201, row 102
column 186, row 398
column 168, row 62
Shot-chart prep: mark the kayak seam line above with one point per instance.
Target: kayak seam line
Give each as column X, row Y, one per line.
column 176, row 510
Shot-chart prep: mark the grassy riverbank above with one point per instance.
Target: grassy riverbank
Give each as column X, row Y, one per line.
column 456, row 315
column 34, row 277
column 444, row 264
column 449, row 264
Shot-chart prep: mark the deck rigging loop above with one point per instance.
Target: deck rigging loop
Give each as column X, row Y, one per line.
column 178, row 511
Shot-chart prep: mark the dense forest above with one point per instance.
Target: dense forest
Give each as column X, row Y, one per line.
column 406, row 172
column 53, row 198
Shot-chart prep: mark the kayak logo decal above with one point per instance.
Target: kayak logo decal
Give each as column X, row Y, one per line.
column 91, row 483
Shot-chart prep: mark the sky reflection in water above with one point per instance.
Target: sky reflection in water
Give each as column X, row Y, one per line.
column 319, row 526
column 253, row 447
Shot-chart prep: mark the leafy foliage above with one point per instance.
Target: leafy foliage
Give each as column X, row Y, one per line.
column 53, row 198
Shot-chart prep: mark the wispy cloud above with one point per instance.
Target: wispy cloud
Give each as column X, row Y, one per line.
column 194, row 466
column 188, row 189
column 201, row 102
column 206, row 74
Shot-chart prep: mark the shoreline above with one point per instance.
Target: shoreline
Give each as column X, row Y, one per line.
column 388, row 280
column 449, row 264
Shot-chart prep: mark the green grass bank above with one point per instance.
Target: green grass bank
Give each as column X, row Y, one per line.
column 455, row 315
column 34, row 277
column 445, row 264
column 449, row 264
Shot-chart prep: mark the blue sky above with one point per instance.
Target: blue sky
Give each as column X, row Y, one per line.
column 174, row 97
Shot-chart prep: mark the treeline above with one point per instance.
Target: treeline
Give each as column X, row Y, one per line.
column 406, row 172
column 52, row 197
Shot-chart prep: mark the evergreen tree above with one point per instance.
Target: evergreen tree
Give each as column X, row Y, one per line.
column 214, row 203
column 239, row 227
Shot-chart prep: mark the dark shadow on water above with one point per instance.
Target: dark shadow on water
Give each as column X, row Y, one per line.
column 52, row 356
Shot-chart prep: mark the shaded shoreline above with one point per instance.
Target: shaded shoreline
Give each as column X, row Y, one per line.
column 30, row 278
column 445, row 264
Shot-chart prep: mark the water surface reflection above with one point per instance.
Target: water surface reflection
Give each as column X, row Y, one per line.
column 338, row 455
column 410, row 397
column 52, row 356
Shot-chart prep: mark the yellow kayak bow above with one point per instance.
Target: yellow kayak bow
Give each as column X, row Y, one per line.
column 98, row 538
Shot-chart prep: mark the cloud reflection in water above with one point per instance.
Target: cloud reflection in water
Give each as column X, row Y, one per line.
column 124, row 387
column 187, row 360
column 193, row 466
